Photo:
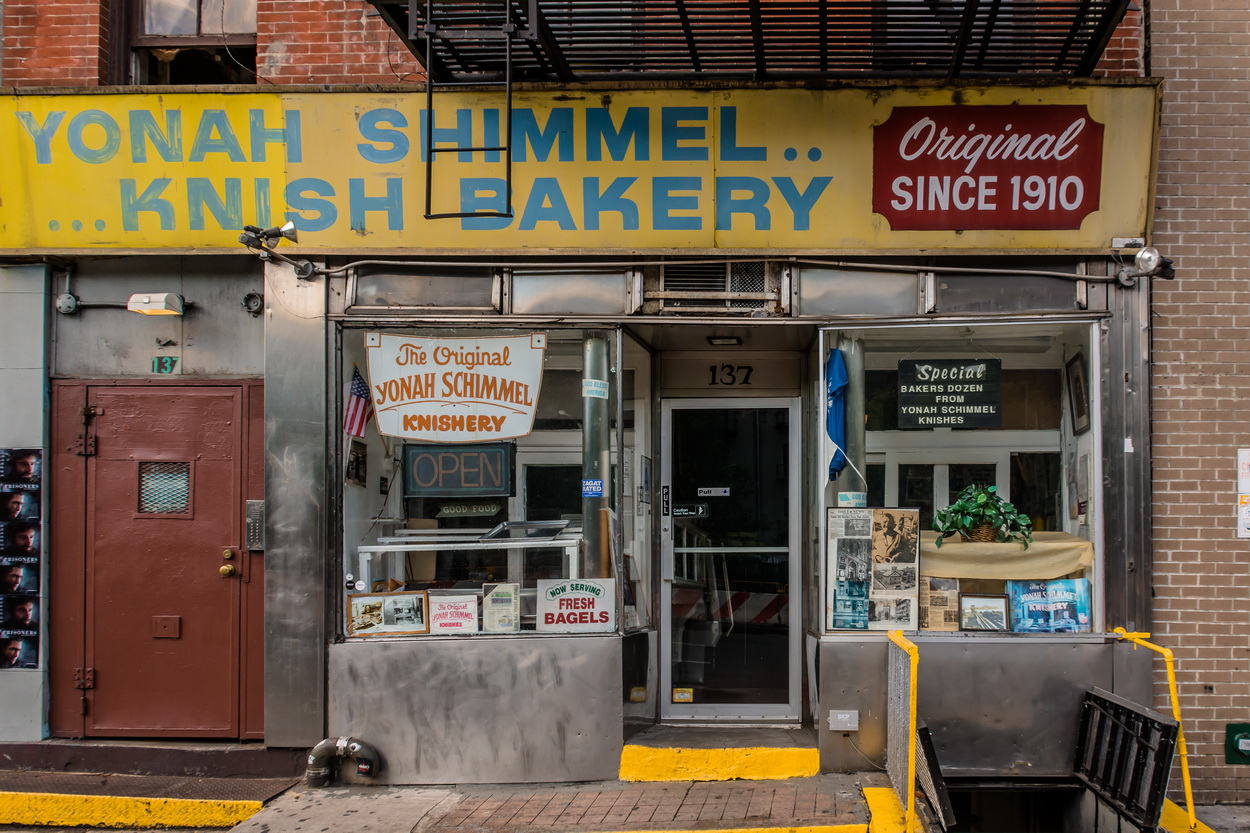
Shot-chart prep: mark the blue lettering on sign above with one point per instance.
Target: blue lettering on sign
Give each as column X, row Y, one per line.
column 182, row 196
column 601, row 131
column 166, row 142
column 730, row 150
column 297, row 199
column 592, row 488
column 755, row 203
column 371, row 131
column 613, row 199
column 216, row 135
column 112, row 136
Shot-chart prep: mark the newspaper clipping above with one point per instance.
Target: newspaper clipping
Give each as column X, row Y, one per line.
column 873, row 569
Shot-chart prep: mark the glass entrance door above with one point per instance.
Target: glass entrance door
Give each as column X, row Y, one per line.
column 731, row 602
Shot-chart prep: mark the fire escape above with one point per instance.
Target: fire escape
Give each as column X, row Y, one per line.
column 498, row 43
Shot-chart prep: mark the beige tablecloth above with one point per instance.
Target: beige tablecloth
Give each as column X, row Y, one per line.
column 1051, row 555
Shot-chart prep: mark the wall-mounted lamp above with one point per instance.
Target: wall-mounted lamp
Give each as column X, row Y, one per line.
column 264, row 240
column 1148, row 263
column 161, row 303
column 724, row 341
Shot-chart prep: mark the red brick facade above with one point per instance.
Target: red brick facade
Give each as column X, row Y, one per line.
column 1201, row 385
column 54, row 43
column 65, row 43
column 329, row 42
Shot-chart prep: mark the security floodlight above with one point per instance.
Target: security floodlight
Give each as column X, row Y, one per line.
column 1148, row 263
column 264, row 240
column 1147, row 259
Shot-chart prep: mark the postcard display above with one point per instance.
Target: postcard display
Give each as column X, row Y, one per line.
column 873, row 569
column 21, row 478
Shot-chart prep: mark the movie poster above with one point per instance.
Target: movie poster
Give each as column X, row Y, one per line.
column 21, row 562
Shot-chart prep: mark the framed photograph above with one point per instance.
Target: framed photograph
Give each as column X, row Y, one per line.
column 979, row 612
column 388, row 614
column 1078, row 393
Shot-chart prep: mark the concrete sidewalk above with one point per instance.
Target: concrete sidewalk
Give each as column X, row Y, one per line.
column 818, row 803
column 833, row 803
column 836, row 803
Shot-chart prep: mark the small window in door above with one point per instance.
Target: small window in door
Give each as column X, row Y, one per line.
column 164, row 488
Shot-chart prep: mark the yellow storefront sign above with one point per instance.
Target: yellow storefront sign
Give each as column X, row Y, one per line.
column 873, row 168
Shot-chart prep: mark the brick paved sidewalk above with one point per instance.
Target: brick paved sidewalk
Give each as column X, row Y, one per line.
column 820, row 800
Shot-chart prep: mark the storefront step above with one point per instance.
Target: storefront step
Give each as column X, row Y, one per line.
column 154, row 757
column 681, row 753
column 59, row 799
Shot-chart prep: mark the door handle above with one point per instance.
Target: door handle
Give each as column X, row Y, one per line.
column 227, row 570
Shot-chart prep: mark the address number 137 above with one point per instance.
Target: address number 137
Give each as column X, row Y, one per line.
column 729, row 375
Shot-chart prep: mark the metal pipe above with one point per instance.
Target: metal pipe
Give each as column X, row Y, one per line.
column 1140, row 639
column 327, row 751
column 596, row 455
column 856, row 395
column 607, row 262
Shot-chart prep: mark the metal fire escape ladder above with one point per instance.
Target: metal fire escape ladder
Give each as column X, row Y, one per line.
column 462, row 46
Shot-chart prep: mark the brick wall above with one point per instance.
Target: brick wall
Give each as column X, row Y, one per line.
column 52, row 43
column 1124, row 55
column 329, row 42
column 1201, row 387
column 65, row 43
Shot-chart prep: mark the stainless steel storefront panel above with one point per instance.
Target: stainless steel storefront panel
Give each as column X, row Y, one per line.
column 481, row 710
column 852, row 678
column 996, row 707
column 295, row 491
column 1008, row 707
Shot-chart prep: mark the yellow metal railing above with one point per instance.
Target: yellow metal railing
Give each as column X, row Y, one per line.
column 1140, row 639
column 913, row 654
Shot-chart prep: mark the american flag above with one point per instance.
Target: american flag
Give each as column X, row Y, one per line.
column 359, row 406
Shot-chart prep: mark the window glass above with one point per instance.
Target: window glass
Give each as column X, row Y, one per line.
column 849, row 292
column 228, row 17
column 1036, row 489
column 199, row 17
column 915, row 490
column 169, row 17
column 451, row 286
column 996, row 293
column 451, row 517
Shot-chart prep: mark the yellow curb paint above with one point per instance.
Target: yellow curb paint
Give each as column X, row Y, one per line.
column 823, row 828
column 646, row 763
column 885, row 813
column 1174, row 819
column 115, row 811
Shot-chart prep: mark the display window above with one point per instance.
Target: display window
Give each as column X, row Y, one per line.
column 957, row 418
column 491, row 481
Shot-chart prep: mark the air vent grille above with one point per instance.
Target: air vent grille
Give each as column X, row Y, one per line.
column 750, row 287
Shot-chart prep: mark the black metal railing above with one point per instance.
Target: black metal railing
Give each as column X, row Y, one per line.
column 1124, row 755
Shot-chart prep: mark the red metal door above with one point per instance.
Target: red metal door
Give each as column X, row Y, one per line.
column 164, row 484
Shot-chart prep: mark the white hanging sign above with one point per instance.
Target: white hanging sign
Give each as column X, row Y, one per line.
column 455, row 390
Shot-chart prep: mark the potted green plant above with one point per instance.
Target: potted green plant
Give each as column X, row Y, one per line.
column 980, row 514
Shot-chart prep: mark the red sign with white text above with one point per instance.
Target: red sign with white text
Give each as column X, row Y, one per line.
column 995, row 167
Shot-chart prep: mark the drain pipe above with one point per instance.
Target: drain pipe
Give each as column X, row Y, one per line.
column 326, row 751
